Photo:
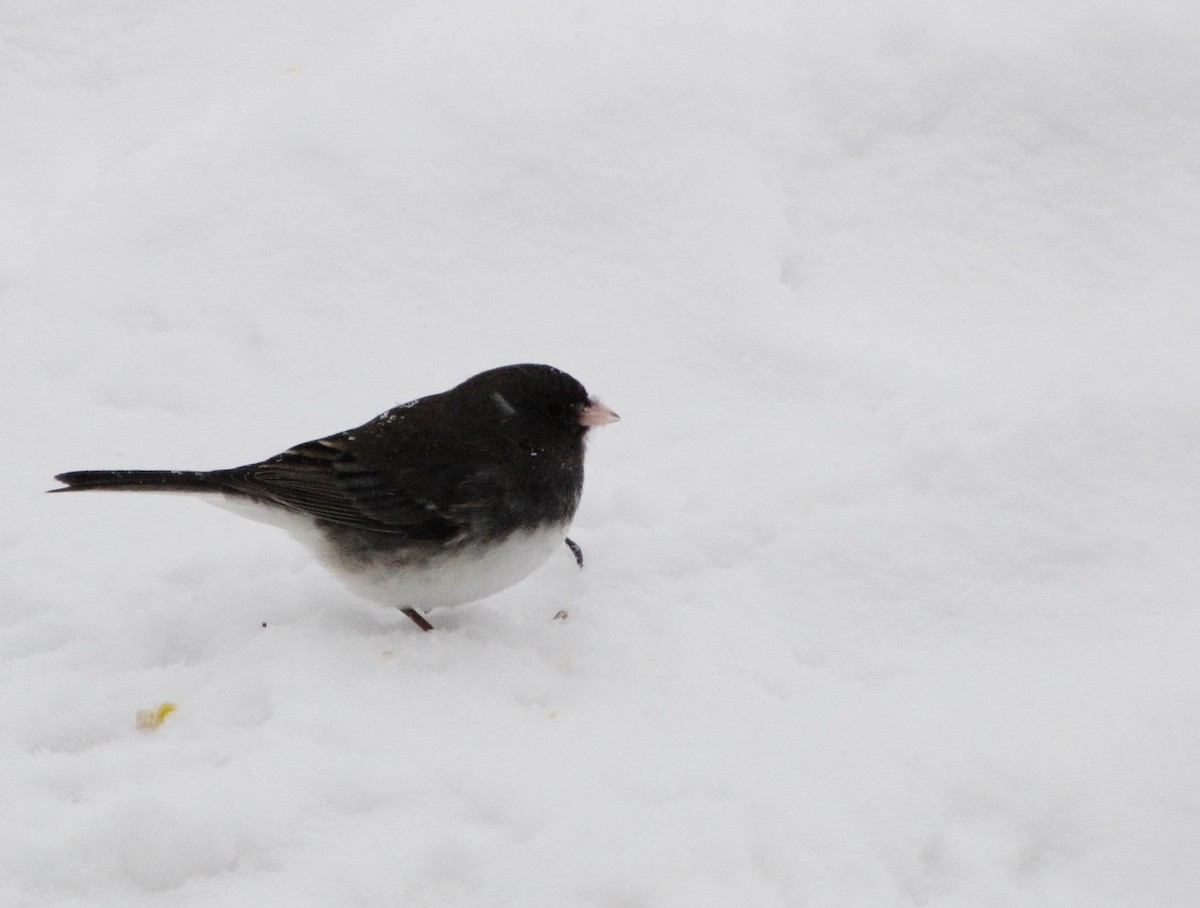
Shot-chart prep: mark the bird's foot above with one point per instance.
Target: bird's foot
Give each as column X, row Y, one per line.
column 418, row 619
column 576, row 551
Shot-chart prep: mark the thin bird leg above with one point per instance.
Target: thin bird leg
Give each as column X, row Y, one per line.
column 417, row 618
column 576, row 551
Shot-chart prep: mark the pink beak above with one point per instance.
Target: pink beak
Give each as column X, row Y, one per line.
column 596, row 414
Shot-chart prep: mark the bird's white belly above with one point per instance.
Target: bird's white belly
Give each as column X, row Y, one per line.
column 461, row 575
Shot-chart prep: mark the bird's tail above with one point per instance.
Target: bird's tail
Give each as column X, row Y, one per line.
column 138, row 481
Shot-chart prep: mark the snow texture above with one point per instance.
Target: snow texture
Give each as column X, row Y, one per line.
column 892, row 562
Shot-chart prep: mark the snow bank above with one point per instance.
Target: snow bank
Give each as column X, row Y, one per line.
column 890, row 595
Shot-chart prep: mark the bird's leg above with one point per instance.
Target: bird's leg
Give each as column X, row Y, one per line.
column 417, row 618
column 576, row 551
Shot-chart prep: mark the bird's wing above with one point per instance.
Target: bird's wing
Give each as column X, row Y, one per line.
column 325, row 479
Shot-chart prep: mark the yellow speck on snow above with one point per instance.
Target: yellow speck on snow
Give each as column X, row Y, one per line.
column 152, row 718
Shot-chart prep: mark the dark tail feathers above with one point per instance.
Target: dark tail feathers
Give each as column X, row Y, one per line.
column 138, row 481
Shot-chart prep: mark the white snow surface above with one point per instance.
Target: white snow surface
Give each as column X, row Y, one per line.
column 892, row 562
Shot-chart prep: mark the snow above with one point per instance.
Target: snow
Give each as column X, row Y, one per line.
column 891, row 562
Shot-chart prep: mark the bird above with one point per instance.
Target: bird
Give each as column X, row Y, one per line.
column 437, row 502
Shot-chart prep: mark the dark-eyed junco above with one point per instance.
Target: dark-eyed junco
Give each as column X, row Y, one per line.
column 439, row 501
